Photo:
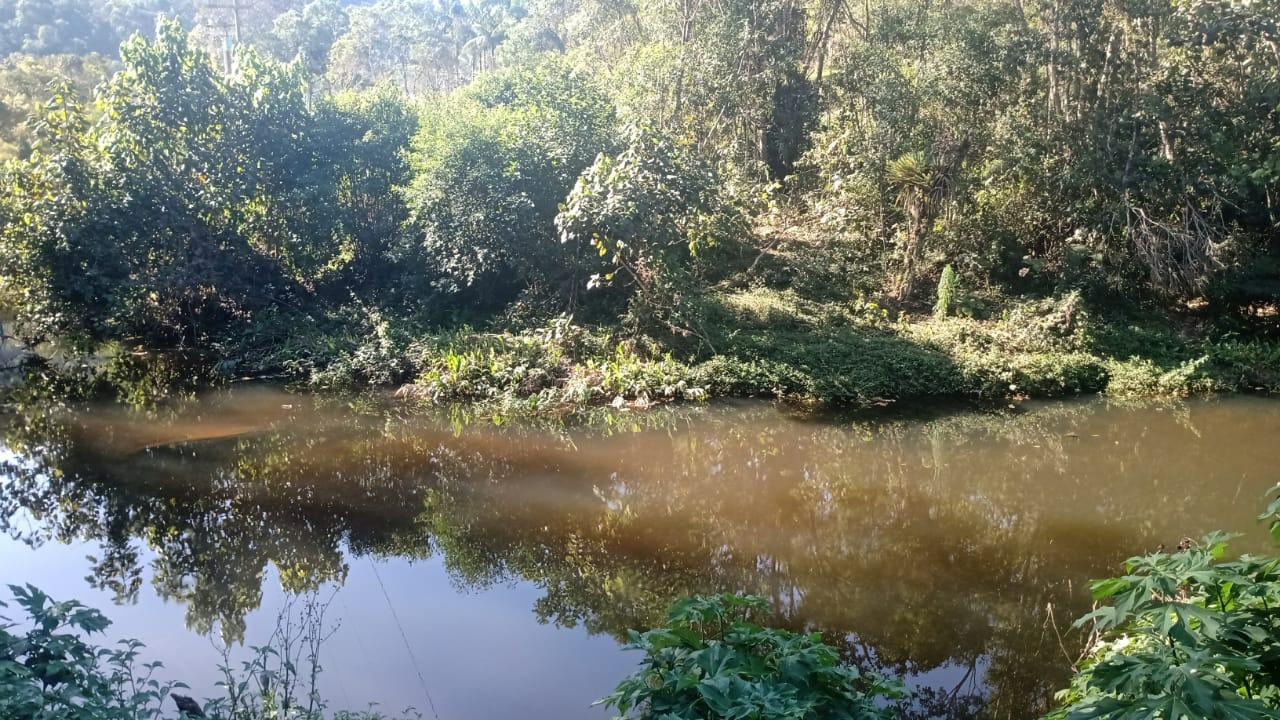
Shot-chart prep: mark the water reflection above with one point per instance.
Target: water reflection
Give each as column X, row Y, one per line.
column 943, row 548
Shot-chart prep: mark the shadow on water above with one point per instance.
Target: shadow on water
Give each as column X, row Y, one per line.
column 956, row 549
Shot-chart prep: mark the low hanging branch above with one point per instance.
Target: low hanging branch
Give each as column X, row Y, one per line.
column 1182, row 253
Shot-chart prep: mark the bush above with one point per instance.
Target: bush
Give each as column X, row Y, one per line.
column 1143, row 377
column 377, row 357
column 562, row 366
column 1185, row 634
column 651, row 210
column 197, row 202
column 713, row 660
column 47, row 670
column 948, row 284
column 491, row 167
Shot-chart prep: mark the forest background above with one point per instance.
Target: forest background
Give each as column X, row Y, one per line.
column 558, row 202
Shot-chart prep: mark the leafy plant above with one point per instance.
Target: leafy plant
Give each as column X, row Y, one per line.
column 491, row 167
column 651, row 210
column 1186, row 634
column 47, row 670
column 947, row 286
column 713, row 660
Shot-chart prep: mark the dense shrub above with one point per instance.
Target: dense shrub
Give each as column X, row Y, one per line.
column 563, row 366
column 197, row 202
column 652, row 210
column 491, row 167
column 714, row 659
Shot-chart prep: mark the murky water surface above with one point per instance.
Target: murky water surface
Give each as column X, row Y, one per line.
column 491, row 571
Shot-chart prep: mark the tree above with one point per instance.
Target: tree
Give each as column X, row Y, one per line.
column 722, row 73
column 307, row 34
column 486, row 26
column 24, row 83
column 491, row 169
column 650, row 210
column 199, row 201
column 924, row 187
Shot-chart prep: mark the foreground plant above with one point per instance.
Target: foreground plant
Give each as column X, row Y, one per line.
column 47, row 670
column 712, row 660
column 1186, row 634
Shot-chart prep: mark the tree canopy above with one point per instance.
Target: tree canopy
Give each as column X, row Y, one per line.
column 495, row 164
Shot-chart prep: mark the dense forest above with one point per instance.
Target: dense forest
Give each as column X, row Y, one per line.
column 624, row 200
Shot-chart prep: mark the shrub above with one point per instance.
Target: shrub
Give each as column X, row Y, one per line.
column 1142, row 377
column 947, row 286
column 196, row 202
column 713, row 660
column 378, row 358
column 651, row 210
column 561, row 366
column 47, row 670
column 1246, row 365
column 1185, row 634
column 491, row 167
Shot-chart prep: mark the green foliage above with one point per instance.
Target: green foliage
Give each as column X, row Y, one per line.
column 1143, row 377
column 52, row 27
column 307, row 33
column 651, row 210
column 782, row 345
column 47, row 670
column 199, row 200
column 376, row 354
column 145, row 379
column 24, row 84
column 1185, row 634
column 713, row 659
column 562, row 366
column 491, row 167
column 947, row 286
column 422, row 167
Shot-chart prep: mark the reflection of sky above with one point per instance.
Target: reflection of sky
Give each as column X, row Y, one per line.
column 481, row 655
column 974, row 506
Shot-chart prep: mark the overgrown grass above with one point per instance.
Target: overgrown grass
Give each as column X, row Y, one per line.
column 776, row 343
column 754, row 343
column 563, row 367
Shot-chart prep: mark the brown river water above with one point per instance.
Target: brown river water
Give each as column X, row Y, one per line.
column 479, row 571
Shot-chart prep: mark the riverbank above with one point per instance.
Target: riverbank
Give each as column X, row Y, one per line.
column 748, row 343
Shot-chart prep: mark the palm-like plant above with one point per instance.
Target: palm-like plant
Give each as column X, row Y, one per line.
column 925, row 185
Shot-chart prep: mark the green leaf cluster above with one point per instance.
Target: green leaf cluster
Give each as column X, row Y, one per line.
column 1183, row 634
column 713, row 660
column 196, row 200
column 651, row 210
column 491, row 167
column 48, row 671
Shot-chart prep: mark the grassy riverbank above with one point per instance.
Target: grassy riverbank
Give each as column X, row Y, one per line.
column 771, row 344
column 752, row 343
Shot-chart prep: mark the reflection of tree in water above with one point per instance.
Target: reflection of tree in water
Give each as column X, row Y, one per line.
column 915, row 546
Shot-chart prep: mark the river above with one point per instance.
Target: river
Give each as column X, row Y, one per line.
column 474, row 571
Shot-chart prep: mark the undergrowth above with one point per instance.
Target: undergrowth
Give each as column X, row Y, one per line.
column 758, row 343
